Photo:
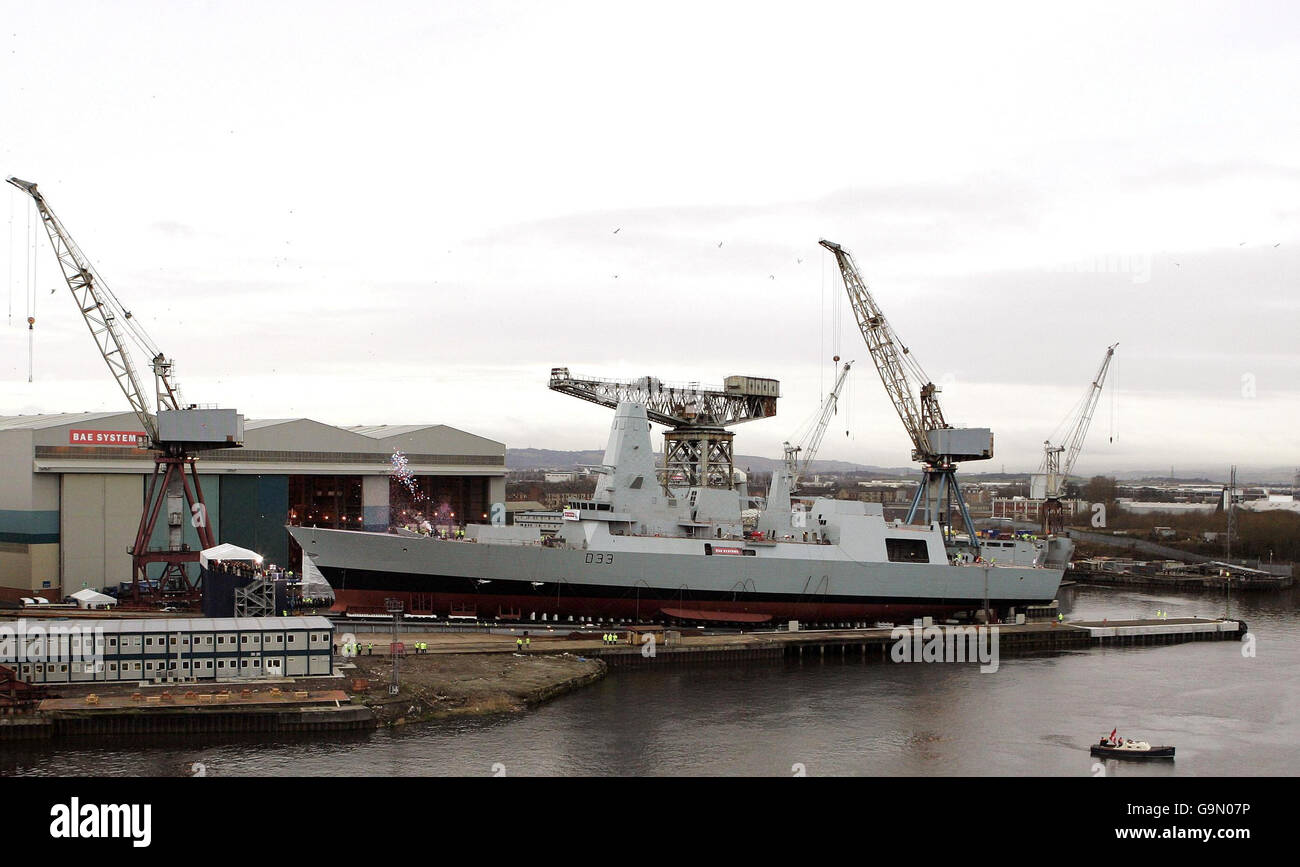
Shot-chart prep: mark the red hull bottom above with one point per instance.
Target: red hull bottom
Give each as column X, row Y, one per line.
column 533, row 608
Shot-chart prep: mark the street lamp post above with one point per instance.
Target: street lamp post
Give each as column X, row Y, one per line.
column 394, row 607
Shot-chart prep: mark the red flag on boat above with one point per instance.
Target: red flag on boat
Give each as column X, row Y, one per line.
column 1112, row 734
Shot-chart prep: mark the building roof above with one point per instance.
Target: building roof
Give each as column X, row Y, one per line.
column 193, row 624
column 258, row 423
column 41, row 421
column 427, row 437
column 384, row 431
column 271, row 440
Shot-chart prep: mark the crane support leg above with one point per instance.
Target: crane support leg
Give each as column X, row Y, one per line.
column 938, row 496
column 169, row 488
column 195, row 496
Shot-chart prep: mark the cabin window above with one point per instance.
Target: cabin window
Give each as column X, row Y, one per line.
column 907, row 550
column 636, row 483
column 708, row 549
column 748, row 552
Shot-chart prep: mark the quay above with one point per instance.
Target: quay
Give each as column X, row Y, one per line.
column 674, row 647
column 1181, row 581
column 875, row 644
column 154, row 711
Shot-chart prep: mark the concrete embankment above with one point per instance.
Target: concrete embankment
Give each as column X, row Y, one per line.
column 446, row 684
column 876, row 644
column 672, row 647
column 79, row 710
column 1213, row 583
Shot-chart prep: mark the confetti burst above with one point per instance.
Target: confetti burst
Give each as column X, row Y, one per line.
column 402, row 472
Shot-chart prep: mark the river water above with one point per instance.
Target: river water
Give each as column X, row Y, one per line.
column 1227, row 713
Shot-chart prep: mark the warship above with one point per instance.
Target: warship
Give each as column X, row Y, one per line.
column 651, row 545
column 670, row 543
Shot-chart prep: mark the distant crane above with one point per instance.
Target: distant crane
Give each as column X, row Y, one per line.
column 937, row 445
column 1049, row 483
column 174, row 435
column 796, row 466
column 698, row 448
column 777, row 515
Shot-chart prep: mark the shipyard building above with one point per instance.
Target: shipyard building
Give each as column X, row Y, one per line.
column 72, row 487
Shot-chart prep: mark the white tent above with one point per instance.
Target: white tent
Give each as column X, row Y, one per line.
column 227, row 551
column 87, row 598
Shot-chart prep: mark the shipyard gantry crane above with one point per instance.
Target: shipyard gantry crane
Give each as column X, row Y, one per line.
column 1048, row 484
column 937, row 445
column 175, row 434
column 776, row 517
column 698, row 447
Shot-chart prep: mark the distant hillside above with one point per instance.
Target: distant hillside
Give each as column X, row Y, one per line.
column 550, row 459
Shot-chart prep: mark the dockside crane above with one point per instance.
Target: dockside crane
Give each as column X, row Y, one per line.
column 1048, row 483
column 936, row 445
column 698, row 447
column 777, row 514
column 175, row 434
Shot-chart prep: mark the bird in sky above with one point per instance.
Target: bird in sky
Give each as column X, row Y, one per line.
column 719, row 243
column 619, row 229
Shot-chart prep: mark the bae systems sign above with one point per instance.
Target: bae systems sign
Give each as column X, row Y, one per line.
column 105, row 438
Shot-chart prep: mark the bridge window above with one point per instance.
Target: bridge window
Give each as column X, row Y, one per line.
column 907, row 550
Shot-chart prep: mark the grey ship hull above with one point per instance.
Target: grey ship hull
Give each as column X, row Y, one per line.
column 653, row 578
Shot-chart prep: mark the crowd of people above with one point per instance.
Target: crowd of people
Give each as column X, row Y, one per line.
column 425, row 527
column 294, row 602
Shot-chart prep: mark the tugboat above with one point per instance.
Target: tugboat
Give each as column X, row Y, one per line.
column 1121, row 748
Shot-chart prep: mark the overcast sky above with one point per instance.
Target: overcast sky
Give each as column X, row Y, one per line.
column 393, row 212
